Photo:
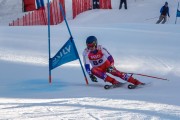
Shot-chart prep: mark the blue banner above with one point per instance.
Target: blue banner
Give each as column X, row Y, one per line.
column 178, row 13
column 66, row 54
column 39, row 4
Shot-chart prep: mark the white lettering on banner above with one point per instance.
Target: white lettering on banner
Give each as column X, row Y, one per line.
column 95, row 56
column 68, row 48
column 63, row 52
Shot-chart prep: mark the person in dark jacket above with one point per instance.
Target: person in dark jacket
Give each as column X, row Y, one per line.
column 95, row 4
column 125, row 4
column 164, row 12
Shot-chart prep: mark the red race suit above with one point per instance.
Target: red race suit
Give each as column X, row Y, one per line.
column 97, row 63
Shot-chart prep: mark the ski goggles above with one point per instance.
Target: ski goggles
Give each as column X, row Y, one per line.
column 91, row 45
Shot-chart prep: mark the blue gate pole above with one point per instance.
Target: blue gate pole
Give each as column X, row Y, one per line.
column 49, row 37
column 62, row 11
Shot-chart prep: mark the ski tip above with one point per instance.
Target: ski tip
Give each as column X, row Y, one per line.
column 131, row 86
column 143, row 84
column 107, row 87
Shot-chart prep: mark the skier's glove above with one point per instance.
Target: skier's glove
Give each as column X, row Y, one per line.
column 93, row 78
column 110, row 69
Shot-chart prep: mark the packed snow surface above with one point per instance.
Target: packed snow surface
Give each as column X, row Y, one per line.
column 137, row 44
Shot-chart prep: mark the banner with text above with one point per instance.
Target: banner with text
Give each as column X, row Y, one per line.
column 66, row 54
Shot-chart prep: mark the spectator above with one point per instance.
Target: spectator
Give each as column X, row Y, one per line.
column 164, row 12
column 95, row 4
column 125, row 4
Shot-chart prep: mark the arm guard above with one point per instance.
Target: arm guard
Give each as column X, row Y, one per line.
column 87, row 67
column 108, row 55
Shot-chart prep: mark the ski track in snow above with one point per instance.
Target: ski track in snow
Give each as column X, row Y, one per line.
column 20, row 57
column 145, row 63
column 86, row 108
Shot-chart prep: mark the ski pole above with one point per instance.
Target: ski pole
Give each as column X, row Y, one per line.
column 147, row 76
column 150, row 18
column 167, row 19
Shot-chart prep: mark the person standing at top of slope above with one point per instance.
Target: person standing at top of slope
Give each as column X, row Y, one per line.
column 125, row 4
column 102, row 62
column 164, row 12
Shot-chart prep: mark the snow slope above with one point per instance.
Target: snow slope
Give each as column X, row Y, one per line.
column 139, row 11
column 147, row 48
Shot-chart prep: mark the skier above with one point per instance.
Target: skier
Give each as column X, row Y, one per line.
column 102, row 62
column 164, row 12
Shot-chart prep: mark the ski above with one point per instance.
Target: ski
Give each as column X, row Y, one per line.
column 113, row 86
column 129, row 86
